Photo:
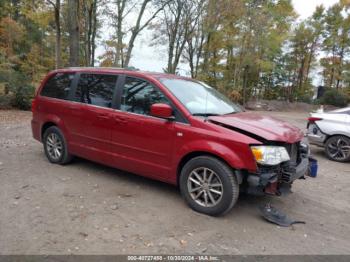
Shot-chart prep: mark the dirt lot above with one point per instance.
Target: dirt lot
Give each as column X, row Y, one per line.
column 86, row 208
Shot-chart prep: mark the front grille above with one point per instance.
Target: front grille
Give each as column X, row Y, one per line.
column 294, row 152
column 289, row 168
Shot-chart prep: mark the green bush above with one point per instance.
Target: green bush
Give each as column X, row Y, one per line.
column 5, row 101
column 305, row 99
column 22, row 97
column 20, row 92
column 335, row 98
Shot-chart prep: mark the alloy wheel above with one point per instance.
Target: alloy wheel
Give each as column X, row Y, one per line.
column 339, row 149
column 54, row 146
column 205, row 187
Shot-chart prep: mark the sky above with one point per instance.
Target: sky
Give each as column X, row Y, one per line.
column 154, row 58
column 305, row 8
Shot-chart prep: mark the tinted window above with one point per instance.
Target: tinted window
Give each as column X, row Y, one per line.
column 58, row 86
column 96, row 89
column 139, row 95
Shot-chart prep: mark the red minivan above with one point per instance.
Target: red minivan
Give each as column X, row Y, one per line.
column 170, row 128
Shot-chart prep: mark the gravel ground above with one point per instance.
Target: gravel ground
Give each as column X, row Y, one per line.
column 87, row 208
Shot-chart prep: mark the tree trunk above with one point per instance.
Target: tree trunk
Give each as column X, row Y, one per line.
column 245, row 82
column 173, row 36
column 73, row 24
column 119, row 47
column 199, row 55
column 138, row 28
column 340, row 68
column 93, row 37
column 311, row 57
column 58, row 34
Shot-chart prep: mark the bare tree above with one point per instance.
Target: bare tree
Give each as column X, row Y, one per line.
column 139, row 27
column 73, row 24
column 118, row 17
column 122, row 10
column 94, row 32
column 89, row 9
column 194, row 43
column 57, row 6
column 178, row 24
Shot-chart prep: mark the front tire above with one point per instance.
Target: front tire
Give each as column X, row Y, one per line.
column 209, row 186
column 337, row 148
column 55, row 146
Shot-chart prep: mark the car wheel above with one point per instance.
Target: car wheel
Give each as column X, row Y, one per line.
column 338, row 148
column 55, row 146
column 208, row 185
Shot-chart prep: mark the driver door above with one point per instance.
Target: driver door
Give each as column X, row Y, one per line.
column 142, row 143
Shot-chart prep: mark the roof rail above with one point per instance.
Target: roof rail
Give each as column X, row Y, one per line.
column 131, row 68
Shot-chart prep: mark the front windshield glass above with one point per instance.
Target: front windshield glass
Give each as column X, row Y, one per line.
column 199, row 98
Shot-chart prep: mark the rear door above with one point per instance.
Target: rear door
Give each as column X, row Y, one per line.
column 141, row 143
column 94, row 97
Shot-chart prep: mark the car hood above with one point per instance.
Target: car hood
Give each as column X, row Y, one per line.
column 258, row 126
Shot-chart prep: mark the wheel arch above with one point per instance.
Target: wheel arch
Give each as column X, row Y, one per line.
column 194, row 154
column 53, row 120
column 45, row 126
column 328, row 136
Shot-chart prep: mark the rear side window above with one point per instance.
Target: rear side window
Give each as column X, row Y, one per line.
column 96, row 89
column 58, row 86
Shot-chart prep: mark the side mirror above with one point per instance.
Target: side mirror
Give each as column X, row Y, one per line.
column 162, row 111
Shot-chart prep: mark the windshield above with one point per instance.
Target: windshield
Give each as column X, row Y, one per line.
column 199, row 98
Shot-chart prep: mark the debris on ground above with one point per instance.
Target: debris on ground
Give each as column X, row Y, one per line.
column 83, row 234
column 275, row 216
column 183, row 242
column 124, row 195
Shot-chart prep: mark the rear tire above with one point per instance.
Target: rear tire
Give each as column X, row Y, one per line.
column 337, row 148
column 55, row 146
column 209, row 186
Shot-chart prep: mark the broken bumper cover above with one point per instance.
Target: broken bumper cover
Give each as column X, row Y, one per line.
column 277, row 180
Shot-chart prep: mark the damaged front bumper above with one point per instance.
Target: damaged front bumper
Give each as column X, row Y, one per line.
column 277, row 180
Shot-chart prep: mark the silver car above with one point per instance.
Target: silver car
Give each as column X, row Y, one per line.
column 331, row 130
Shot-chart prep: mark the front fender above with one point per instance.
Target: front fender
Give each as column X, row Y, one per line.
column 238, row 156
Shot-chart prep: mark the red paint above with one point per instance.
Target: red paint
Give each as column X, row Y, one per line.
column 267, row 127
column 314, row 119
column 161, row 110
column 154, row 146
column 271, row 188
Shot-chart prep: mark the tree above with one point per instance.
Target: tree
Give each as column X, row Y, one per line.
column 123, row 9
column 57, row 7
column 335, row 44
column 176, row 27
column 73, row 24
column 243, row 41
column 89, row 28
column 194, row 47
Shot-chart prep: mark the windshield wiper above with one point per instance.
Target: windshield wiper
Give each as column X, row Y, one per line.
column 233, row 112
column 205, row 114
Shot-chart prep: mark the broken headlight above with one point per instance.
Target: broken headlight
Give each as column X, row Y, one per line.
column 270, row 155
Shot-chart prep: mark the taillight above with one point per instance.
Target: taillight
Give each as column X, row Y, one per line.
column 34, row 104
column 314, row 119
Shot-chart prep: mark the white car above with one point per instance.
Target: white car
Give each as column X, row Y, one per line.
column 331, row 130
